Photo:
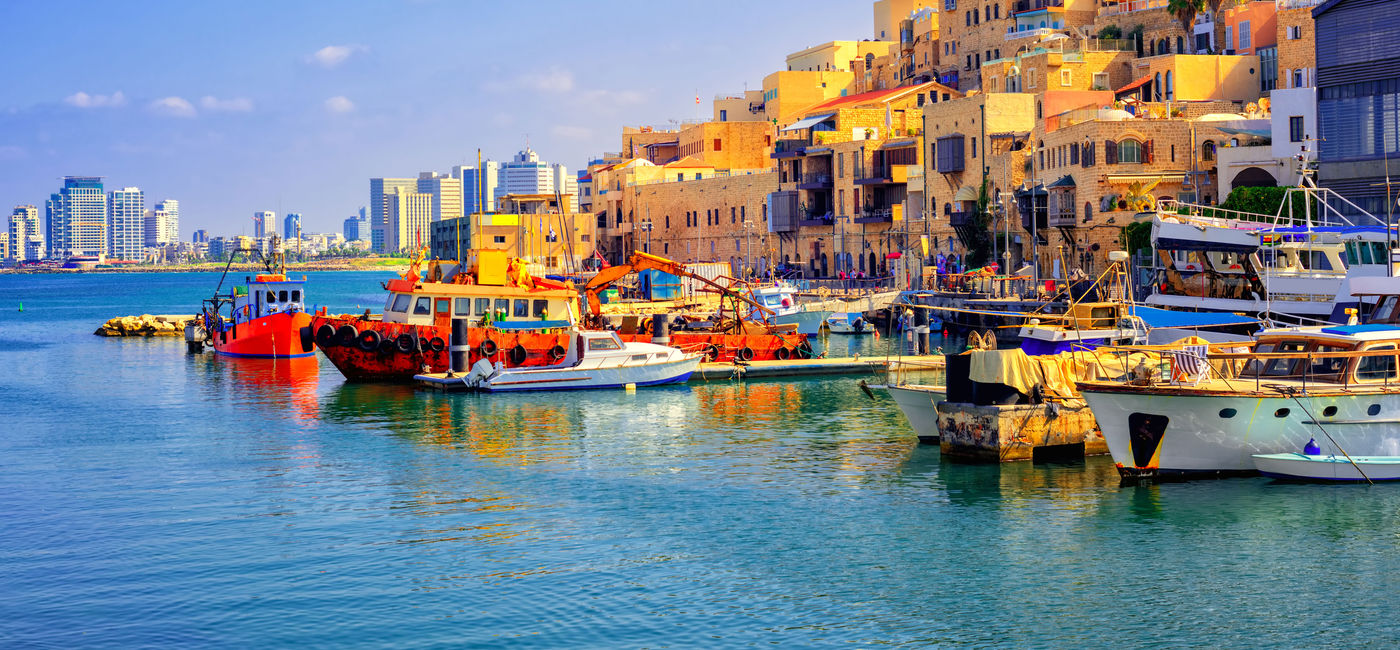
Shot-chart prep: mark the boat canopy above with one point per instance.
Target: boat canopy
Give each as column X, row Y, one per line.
column 1164, row 318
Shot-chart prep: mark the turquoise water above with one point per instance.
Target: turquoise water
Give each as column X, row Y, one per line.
column 151, row 498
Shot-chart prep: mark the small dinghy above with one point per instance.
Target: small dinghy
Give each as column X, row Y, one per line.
column 598, row 359
column 848, row 323
column 1331, row 467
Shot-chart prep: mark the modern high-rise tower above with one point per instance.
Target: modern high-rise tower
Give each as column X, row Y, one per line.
column 291, row 226
column 379, row 189
column 410, row 220
column 525, row 174
column 478, row 186
column 77, row 218
column 126, row 223
column 446, row 191
column 264, row 223
column 26, row 237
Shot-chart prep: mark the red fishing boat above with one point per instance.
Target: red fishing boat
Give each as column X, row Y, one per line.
column 266, row 318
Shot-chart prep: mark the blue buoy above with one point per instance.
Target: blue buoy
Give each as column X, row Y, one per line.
column 1311, row 449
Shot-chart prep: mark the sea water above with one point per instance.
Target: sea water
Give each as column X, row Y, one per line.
column 149, row 497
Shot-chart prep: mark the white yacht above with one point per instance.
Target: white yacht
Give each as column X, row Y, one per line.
column 595, row 360
column 781, row 297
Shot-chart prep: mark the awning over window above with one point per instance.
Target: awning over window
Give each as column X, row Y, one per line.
column 1065, row 181
column 1134, row 85
column 1165, row 177
column 809, row 122
column 966, row 193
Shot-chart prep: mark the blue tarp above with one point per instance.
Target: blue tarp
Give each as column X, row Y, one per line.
column 1157, row 318
column 1360, row 329
column 529, row 324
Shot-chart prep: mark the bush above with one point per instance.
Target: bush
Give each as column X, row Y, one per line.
column 1266, row 201
column 1110, row 31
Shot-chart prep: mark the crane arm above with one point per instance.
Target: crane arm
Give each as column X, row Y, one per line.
column 646, row 262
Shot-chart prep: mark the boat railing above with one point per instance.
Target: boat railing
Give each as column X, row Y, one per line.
column 1238, row 366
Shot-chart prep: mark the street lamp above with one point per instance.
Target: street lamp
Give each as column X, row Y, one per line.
column 646, row 226
column 748, row 245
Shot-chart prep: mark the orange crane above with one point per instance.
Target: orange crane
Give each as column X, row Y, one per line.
column 646, row 262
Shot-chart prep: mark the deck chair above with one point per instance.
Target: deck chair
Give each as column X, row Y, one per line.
column 1189, row 365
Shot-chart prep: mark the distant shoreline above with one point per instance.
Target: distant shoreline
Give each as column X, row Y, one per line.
column 242, row 267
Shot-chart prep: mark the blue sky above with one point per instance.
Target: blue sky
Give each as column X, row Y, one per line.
column 234, row 107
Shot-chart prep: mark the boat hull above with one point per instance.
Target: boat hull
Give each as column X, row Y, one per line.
column 1300, row 467
column 391, row 364
column 807, row 322
column 658, row 374
column 918, row 405
column 285, row 335
column 1150, row 433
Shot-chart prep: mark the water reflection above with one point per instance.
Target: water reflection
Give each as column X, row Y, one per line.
column 285, row 386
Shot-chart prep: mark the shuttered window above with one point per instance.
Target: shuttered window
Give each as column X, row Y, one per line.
column 1110, row 152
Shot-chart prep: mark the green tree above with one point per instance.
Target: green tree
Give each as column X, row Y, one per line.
column 979, row 249
column 1267, row 201
column 1186, row 10
column 1136, row 236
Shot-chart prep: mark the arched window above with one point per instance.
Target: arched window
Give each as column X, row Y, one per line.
column 1037, row 110
column 1162, row 47
column 1088, row 212
column 947, row 208
column 1157, row 87
column 1178, row 46
column 1129, row 151
column 1208, row 150
column 1171, row 87
column 967, row 18
column 869, row 61
column 1151, row 48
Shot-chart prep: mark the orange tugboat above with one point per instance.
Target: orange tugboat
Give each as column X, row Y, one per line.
column 264, row 319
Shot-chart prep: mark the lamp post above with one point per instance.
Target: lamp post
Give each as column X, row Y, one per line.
column 646, row 227
column 748, row 245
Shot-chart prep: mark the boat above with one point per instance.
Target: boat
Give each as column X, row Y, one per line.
column 917, row 402
column 846, row 322
column 266, row 318
column 593, row 360
column 1331, row 467
column 781, row 299
column 517, row 319
column 1223, row 403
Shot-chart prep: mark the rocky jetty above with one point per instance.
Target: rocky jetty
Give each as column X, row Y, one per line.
column 144, row 325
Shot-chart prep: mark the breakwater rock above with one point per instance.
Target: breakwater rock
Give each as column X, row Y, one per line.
column 144, row 325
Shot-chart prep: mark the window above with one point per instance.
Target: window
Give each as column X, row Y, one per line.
column 996, row 11
column 1065, row 78
column 1245, row 37
column 1171, row 87
column 1295, row 128
column 296, row 295
column 522, row 308
column 1208, row 150
column 271, row 297
column 423, row 306
column 1295, row 32
column 597, row 344
column 483, row 306
column 1100, row 81
column 1130, row 151
column 950, row 154
column 1229, row 39
column 974, row 147
column 841, row 202
column 1074, row 153
column 1298, row 78
column 1157, row 87
column 540, row 308
column 1376, row 368
column 443, row 305
column 967, row 18
column 502, row 307
column 282, row 296
column 1037, row 104
column 462, row 307
column 718, row 143
column 401, row 303
column 499, row 239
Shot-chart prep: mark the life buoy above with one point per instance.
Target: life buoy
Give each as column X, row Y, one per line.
column 405, row 342
column 745, row 354
column 711, row 352
column 346, row 335
column 325, row 335
column 518, row 354
column 436, row 344
column 370, row 340
column 787, row 303
column 783, row 354
column 488, row 347
column 557, row 353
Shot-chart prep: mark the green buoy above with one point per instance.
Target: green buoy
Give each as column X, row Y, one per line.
column 21, row 306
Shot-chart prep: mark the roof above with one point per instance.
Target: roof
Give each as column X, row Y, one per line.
column 1134, row 85
column 1064, row 181
column 689, row 161
column 875, row 96
column 809, row 122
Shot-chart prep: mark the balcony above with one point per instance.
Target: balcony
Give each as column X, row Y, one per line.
column 960, row 219
column 1063, row 220
column 812, row 218
column 1129, row 6
column 1012, row 34
column 877, row 215
column 814, row 181
column 1035, row 5
column 886, row 175
column 789, row 148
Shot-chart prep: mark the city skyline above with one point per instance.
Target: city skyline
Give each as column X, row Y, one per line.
column 296, row 117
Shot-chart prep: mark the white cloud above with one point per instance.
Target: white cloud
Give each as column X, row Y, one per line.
column 331, row 56
column 173, row 106
column 84, row 100
column 572, row 132
column 232, row 104
column 553, row 80
column 340, row 104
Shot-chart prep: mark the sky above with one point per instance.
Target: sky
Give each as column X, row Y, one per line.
column 235, row 107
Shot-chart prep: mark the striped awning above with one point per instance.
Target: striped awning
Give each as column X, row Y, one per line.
column 1147, row 177
column 966, row 193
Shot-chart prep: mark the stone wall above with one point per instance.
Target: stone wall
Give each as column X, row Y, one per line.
column 1295, row 53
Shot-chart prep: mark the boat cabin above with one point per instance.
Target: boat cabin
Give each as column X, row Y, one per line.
column 1321, row 355
column 437, row 304
column 268, row 294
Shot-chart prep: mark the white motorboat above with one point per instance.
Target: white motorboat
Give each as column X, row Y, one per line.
column 848, row 323
column 1331, row 467
column 595, row 360
column 782, row 299
column 917, row 402
column 1226, row 403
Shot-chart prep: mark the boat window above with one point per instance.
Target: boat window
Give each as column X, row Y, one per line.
column 462, row 307
column 1349, row 253
column 1379, row 251
column 1365, row 255
column 1275, row 367
column 1385, row 312
column 401, row 303
column 502, row 308
column 442, row 306
column 522, row 308
column 1228, row 413
column 483, row 305
column 1374, row 409
column 603, row 344
column 282, row 296
column 296, row 295
column 1324, row 368
column 1282, row 413
column 271, row 297
column 640, row 358
column 389, row 303
column 1320, row 262
column 541, row 308
column 423, row 307
column 1376, row 368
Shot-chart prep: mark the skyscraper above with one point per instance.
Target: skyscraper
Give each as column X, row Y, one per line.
column 291, row 226
column 77, row 218
column 446, row 192
column 357, row 227
column 379, row 189
column 478, row 186
column 525, row 174
column 200, row 236
column 126, row 223
column 264, row 222
column 410, row 220
column 26, row 237
column 171, row 207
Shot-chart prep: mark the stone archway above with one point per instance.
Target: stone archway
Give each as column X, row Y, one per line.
column 1253, row 177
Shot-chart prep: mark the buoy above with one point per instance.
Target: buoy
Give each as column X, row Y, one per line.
column 21, row 306
column 1312, row 449
column 631, row 388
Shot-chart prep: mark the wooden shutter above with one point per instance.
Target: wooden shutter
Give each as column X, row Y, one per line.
column 1074, row 153
column 1110, row 152
column 1147, row 151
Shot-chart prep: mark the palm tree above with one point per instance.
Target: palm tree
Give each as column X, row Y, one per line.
column 1186, row 10
column 1219, row 37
